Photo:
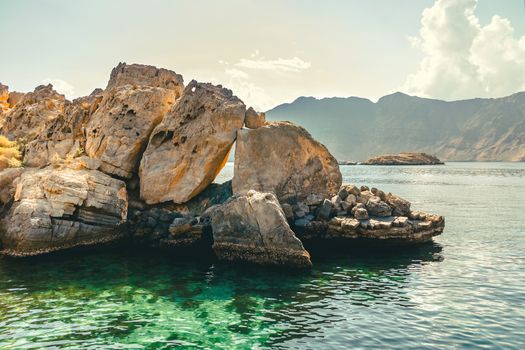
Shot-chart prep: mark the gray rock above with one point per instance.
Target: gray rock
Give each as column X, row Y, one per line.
column 343, row 193
column 360, row 213
column 314, row 199
column 324, row 210
column 288, row 211
column 377, row 207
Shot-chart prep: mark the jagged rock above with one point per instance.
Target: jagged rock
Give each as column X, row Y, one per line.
column 283, row 158
column 31, row 115
column 4, row 97
column 61, row 208
column 65, row 135
column 254, row 120
column 191, row 145
column 399, row 205
column 135, row 101
column 253, row 228
column 377, row 207
column 360, row 213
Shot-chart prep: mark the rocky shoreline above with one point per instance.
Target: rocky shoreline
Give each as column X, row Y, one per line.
column 405, row 158
column 138, row 160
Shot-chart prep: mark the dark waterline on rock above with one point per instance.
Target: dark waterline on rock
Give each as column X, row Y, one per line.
column 465, row 290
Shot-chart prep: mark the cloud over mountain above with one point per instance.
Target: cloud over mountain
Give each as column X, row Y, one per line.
column 463, row 58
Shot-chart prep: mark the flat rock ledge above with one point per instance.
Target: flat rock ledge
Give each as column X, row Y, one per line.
column 362, row 213
column 55, row 209
column 406, row 158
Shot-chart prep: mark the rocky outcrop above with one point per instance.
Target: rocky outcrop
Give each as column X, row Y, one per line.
column 253, row 228
column 254, row 120
column 283, row 158
column 135, row 101
column 7, row 189
column 55, row 209
column 363, row 213
column 4, row 97
column 406, row 158
column 64, row 136
column 191, row 145
column 30, row 116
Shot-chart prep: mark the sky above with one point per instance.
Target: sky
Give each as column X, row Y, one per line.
column 272, row 51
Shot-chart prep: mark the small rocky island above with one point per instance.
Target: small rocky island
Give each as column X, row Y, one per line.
column 404, row 158
column 137, row 162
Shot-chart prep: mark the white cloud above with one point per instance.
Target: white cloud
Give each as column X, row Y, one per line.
column 246, row 90
column 255, row 61
column 462, row 58
column 61, row 86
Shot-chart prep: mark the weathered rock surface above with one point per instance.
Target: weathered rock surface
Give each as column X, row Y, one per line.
column 253, row 228
column 283, row 158
column 55, row 209
column 253, row 119
column 191, row 145
column 7, row 188
column 406, row 158
column 135, row 101
column 64, row 136
column 363, row 214
column 31, row 114
column 4, row 97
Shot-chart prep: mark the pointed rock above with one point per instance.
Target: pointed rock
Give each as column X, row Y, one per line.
column 253, row 228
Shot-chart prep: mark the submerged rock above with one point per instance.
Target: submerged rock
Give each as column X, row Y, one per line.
column 55, row 209
column 191, row 145
column 135, row 101
column 253, row 228
column 283, row 158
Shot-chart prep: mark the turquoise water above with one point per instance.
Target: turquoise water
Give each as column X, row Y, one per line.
column 466, row 290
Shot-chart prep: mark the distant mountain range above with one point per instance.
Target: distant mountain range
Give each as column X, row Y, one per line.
column 357, row 128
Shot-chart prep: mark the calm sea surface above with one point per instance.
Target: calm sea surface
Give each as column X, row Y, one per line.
column 464, row 291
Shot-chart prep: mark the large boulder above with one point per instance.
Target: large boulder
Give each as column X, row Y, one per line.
column 64, row 136
column 30, row 116
column 61, row 208
column 135, row 101
column 190, row 146
column 283, row 158
column 253, row 228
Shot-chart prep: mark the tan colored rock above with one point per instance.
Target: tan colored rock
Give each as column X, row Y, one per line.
column 283, row 158
column 254, row 120
column 191, row 145
column 4, row 97
column 57, row 209
column 7, row 187
column 31, row 115
column 64, row 136
column 135, row 101
column 254, row 228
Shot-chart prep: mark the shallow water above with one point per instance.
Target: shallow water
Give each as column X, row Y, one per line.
column 466, row 290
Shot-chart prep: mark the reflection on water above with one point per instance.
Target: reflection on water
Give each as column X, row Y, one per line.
column 466, row 290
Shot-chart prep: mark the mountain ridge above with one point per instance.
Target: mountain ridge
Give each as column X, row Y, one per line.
column 355, row 128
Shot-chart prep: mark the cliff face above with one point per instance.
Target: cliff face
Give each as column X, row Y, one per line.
column 357, row 129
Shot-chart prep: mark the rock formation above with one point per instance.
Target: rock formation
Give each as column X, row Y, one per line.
column 62, row 208
column 169, row 143
column 283, row 158
column 191, row 145
column 405, row 158
column 135, row 101
column 64, row 137
column 253, row 228
column 29, row 117
column 366, row 214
